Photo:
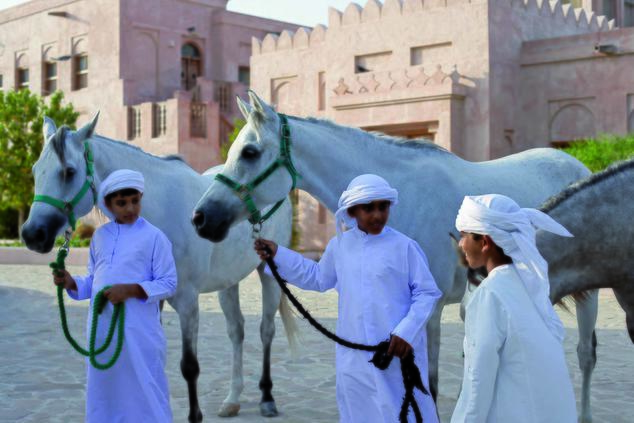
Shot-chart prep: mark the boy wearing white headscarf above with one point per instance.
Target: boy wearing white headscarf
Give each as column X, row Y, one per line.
column 385, row 291
column 135, row 258
column 515, row 369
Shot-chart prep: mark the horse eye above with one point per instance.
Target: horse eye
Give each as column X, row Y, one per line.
column 250, row 153
column 69, row 172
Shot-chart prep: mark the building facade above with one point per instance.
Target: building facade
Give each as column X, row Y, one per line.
column 163, row 73
column 482, row 78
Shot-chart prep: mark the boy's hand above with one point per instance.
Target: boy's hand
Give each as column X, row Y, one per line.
column 260, row 245
column 64, row 279
column 399, row 347
column 121, row 292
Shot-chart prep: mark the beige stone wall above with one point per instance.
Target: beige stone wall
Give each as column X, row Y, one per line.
column 569, row 91
column 89, row 26
column 513, row 23
column 422, row 72
column 316, row 224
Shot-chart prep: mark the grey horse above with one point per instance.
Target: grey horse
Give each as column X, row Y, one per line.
column 598, row 211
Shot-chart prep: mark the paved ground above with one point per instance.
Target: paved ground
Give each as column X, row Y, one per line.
column 42, row 379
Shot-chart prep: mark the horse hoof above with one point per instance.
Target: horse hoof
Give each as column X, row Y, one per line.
column 198, row 417
column 229, row 410
column 268, row 409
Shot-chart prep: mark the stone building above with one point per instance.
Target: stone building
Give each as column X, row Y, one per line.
column 163, row 73
column 482, row 78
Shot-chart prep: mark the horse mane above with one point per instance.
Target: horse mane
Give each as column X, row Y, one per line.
column 59, row 146
column 576, row 187
column 167, row 158
column 418, row 143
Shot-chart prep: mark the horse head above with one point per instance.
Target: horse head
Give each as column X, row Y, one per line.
column 60, row 173
column 255, row 149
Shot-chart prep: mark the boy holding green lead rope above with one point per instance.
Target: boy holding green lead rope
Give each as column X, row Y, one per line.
column 135, row 259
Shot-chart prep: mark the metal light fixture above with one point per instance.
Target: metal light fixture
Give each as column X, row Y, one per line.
column 607, row 49
column 64, row 58
column 58, row 14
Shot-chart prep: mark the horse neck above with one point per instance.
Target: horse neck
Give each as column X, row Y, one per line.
column 328, row 157
column 110, row 155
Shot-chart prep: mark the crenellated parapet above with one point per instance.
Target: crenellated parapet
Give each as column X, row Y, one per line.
column 562, row 14
column 302, row 38
column 374, row 12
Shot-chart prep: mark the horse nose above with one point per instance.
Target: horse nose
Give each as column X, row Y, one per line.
column 34, row 235
column 198, row 220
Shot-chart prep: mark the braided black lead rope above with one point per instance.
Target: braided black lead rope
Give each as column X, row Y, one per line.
column 381, row 359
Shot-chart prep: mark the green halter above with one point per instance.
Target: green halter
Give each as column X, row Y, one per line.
column 68, row 207
column 245, row 191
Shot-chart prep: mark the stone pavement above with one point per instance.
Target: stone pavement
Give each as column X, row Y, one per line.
column 42, row 378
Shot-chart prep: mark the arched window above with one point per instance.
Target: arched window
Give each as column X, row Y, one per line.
column 571, row 122
column 80, row 65
column 22, row 72
column 191, row 66
column 49, row 72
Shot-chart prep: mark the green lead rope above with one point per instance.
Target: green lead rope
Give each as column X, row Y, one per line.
column 98, row 304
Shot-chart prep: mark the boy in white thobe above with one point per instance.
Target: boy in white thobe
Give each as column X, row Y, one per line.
column 515, row 369
column 135, row 258
column 385, row 288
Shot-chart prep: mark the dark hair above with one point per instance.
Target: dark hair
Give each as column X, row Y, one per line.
column 478, row 237
column 126, row 192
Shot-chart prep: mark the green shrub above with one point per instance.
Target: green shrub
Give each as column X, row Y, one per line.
column 600, row 152
column 226, row 144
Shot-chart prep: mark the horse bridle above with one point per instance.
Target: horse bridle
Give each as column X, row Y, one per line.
column 245, row 191
column 68, row 207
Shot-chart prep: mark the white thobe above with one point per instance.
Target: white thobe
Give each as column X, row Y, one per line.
column 514, row 369
column 135, row 389
column 385, row 287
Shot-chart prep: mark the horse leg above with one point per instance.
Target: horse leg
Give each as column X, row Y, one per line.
column 433, row 348
column 230, row 304
column 187, row 309
column 586, row 349
column 626, row 301
column 270, row 302
column 629, row 320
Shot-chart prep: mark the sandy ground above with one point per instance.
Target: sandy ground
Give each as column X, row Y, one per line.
column 42, row 378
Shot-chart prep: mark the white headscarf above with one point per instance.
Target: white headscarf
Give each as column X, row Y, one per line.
column 363, row 189
column 513, row 229
column 116, row 181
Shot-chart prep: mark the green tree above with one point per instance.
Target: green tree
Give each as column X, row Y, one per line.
column 599, row 153
column 21, row 140
column 238, row 124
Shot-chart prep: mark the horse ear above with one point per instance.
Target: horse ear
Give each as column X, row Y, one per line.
column 260, row 106
column 245, row 108
column 88, row 129
column 48, row 128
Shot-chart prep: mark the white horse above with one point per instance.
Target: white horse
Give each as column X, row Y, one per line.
column 172, row 190
column 431, row 182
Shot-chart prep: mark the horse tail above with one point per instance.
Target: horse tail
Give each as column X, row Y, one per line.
column 290, row 325
column 573, row 298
